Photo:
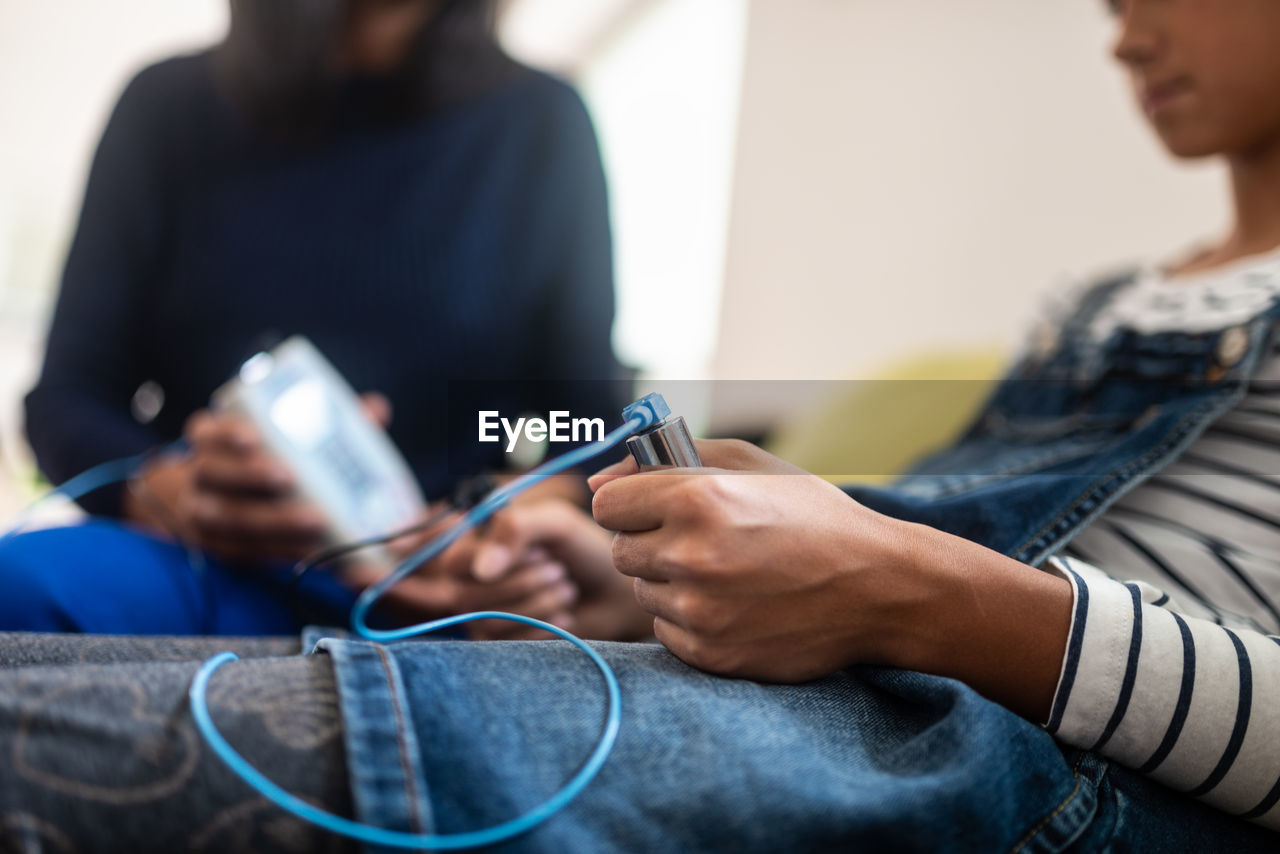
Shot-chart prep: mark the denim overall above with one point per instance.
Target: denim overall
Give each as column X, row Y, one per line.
column 448, row 736
column 1075, row 426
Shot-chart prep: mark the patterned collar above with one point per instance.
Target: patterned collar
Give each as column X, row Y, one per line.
column 1194, row 303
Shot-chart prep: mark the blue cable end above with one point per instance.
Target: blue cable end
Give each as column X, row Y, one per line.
column 651, row 408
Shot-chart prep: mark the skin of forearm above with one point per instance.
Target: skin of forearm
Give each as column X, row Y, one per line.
column 998, row 625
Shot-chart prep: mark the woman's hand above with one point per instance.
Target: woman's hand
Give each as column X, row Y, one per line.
column 754, row 568
column 542, row 558
column 605, row 608
column 229, row 496
column 536, row 585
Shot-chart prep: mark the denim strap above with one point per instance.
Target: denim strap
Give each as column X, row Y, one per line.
column 388, row 786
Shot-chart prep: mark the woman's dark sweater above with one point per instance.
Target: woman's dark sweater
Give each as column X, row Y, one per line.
column 448, row 261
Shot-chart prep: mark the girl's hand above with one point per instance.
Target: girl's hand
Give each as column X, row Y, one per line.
column 754, row 568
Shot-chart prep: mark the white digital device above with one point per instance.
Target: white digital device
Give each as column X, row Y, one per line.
column 311, row 419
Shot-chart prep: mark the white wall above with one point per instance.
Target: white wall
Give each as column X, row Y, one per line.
column 664, row 96
column 61, row 67
column 911, row 173
column 62, row 64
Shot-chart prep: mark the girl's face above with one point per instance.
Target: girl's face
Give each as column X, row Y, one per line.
column 1206, row 73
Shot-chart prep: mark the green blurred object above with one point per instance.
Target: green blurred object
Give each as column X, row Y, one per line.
column 871, row 430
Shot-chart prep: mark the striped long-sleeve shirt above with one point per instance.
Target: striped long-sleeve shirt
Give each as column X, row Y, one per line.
column 1173, row 660
column 1193, row 703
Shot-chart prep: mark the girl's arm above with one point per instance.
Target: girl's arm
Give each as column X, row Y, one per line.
column 757, row 569
column 1194, row 704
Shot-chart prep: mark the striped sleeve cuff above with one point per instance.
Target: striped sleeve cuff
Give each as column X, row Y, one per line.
column 1193, row 704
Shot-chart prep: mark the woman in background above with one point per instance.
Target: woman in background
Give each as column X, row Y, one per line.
column 376, row 175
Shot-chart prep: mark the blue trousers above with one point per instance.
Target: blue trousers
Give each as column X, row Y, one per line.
column 454, row 736
column 99, row 753
column 104, row 577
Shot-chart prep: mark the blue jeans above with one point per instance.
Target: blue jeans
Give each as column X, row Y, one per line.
column 98, row 752
column 445, row 737
column 107, row 578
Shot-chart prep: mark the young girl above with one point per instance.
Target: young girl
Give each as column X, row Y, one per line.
column 1019, row 697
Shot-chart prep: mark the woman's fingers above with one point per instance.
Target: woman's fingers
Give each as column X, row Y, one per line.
column 255, row 529
column 209, row 429
column 530, row 533
column 552, row 604
column 241, row 473
column 239, row 503
column 540, row 590
column 377, row 408
column 536, row 590
column 228, row 455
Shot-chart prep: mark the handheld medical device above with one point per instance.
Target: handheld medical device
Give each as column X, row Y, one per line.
column 311, row 420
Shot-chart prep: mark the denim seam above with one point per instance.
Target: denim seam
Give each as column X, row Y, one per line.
column 1031, row 834
column 1123, row 474
column 1026, row 465
column 406, row 763
column 375, row 707
column 1049, row 456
